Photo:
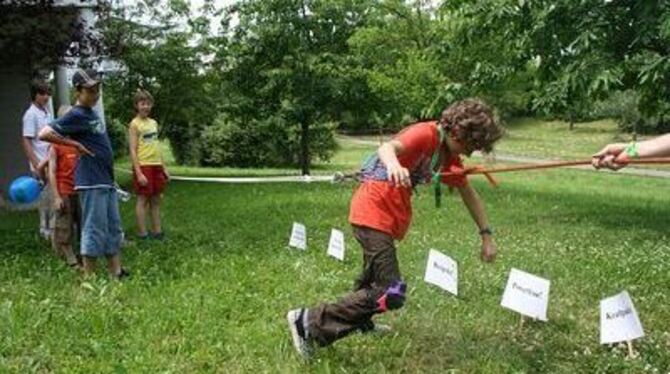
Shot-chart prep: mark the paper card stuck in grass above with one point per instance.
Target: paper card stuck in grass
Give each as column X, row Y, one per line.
column 336, row 244
column 526, row 294
column 442, row 271
column 298, row 236
column 619, row 321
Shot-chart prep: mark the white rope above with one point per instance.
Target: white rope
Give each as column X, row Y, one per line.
column 293, row 179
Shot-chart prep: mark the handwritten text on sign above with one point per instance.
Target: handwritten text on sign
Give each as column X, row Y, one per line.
column 442, row 271
column 298, row 236
column 526, row 294
column 336, row 244
column 619, row 320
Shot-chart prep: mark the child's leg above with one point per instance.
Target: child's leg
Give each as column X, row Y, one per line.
column 114, row 264
column 89, row 265
column 329, row 322
column 114, row 235
column 64, row 233
column 141, row 214
column 94, row 233
column 45, row 210
column 155, row 203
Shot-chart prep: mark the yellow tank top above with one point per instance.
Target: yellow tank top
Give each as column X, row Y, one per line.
column 148, row 147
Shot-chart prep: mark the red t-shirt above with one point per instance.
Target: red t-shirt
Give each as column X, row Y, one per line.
column 385, row 207
column 66, row 162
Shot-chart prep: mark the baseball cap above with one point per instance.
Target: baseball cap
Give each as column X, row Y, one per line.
column 85, row 78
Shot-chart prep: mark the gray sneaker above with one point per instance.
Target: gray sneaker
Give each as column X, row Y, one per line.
column 369, row 327
column 296, row 326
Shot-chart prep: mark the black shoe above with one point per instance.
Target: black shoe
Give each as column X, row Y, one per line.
column 122, row 274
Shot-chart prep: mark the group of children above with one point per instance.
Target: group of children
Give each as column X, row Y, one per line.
column 380, row 211
column 80, row 174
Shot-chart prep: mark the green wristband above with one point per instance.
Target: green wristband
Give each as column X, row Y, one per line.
column 631, row 150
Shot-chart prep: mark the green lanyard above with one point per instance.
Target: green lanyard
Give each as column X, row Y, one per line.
column 434, row 164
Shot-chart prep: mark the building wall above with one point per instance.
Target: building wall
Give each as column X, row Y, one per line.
column 14, row 100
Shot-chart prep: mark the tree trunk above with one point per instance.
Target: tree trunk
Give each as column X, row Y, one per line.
column 304, row 148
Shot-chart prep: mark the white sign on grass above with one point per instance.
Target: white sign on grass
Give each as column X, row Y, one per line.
column 526, row 294
column 442, row 271
column 336, row 244
column 619, row 321
column 298, row 236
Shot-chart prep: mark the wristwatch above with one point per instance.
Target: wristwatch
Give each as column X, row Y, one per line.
column 486, row 231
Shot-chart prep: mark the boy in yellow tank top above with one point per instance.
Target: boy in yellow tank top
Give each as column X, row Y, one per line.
column 149, row 173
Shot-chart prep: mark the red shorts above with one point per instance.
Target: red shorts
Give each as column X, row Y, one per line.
column 156, row 181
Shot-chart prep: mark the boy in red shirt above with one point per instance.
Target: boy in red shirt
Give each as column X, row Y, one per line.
column 381, row 213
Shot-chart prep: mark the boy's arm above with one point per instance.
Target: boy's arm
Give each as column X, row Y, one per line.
column 132, row 145
column 30, row 154
column 615, row 156
column 476, row 208
column 29, row 129
column 48, row 134
column 53, row 160
column 388, row 154
column 657, row 147
column 43, row 167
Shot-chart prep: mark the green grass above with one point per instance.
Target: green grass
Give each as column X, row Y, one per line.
column 213, row 297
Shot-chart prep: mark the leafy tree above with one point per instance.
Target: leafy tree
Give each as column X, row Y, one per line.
column 283, row 61
column 165, row 55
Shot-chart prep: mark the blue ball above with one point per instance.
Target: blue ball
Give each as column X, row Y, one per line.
column 24, row 190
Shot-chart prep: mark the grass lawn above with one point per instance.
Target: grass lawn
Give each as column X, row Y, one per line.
column 213, row 297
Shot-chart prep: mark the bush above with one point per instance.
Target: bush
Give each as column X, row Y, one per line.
column 624, row 107
column 118, row 135
column 270, row 142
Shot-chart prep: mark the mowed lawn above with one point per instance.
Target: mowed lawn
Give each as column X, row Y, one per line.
column 213, row 297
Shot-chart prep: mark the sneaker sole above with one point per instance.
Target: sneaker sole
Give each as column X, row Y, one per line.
column 291, row 317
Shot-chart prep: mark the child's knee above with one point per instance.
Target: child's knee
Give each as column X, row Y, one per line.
column 393, row 297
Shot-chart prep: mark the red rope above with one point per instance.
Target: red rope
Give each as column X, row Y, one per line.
column 479, row 169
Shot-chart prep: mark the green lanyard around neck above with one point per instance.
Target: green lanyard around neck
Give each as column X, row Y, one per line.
column 435, row 170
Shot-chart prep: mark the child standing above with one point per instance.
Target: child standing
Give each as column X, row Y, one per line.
column 62, row 163
column 381, row 213
column 35, row 118
column 101, row 233
column 149, row 172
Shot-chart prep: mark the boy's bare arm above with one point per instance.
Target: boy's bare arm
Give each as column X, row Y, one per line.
column 476, row 208
column 30, row 154
column 48, row 134
column 388, row 154
column 132, row 145
column 53, row 160
column 657, row 147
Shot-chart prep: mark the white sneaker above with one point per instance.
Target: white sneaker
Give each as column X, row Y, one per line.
column 301, row 344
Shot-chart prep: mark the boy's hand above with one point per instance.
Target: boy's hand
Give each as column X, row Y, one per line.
column 83, row 150
column 612, row 156
column 399, row 175
column 141, row 179
column 58, row 204
column 41, row 170
column 489, row 249
column 167, row 175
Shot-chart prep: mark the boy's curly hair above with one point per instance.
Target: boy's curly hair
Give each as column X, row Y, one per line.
column 142, row 95
column 473, row 122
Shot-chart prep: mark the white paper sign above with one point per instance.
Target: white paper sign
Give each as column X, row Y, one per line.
column 442, row 271
column 336, row 244
column 298, row 236
column 526, row 294
column 619, row 321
